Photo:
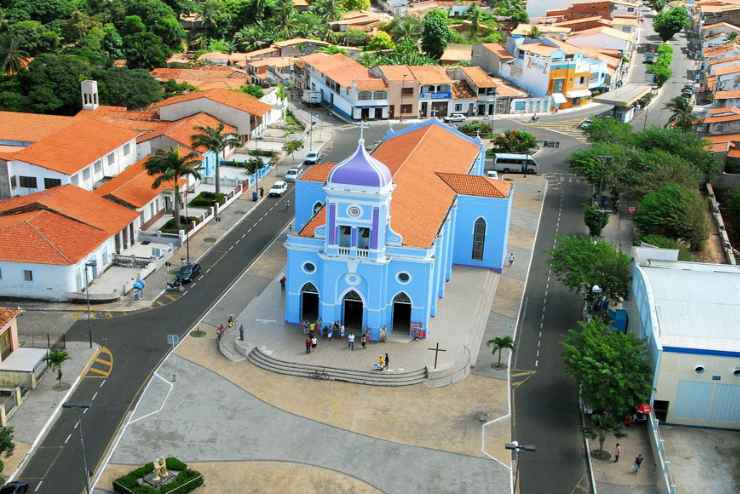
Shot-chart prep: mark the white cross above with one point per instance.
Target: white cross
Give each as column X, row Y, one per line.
column 362, row 130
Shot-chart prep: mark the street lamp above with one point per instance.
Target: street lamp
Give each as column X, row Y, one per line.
column 515, row 449
column 89, row 264
column 310, row 132
column 493, row 113
column 82, row 407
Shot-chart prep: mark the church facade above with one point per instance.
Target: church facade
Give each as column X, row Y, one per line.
column 375, row 236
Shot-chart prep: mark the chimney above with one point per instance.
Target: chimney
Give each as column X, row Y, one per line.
column 89, row 95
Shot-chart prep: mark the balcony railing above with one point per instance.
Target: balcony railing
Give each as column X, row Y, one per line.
column 353, row 252
column 344, row 251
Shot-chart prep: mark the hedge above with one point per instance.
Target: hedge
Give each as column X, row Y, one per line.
column 186, row 481
column 207, row 199
column 186, row 225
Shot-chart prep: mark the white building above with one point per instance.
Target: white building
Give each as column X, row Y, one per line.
column 47, row 238
column 688, row 314
column 605, row 38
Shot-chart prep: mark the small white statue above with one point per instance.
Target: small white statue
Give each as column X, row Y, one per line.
column 160, row 469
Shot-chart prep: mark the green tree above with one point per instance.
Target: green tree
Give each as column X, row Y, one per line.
column 333, row 50
column 45, row 11
column 159, row 19
column 657, row 5
column 292, row 146
column 611, row 368
column 11, row 56
column 215, row 140
column 474, row 15
column 173, row 88
column 515, row 141
column 253, row 90
column 355, row 37
column 7, row 446
column 675, row 212
column 670, row 22
column 595, row 219
column 132, row 88
column 609, row 130
column 52, row 83
column 681, row 113
column 55, row 359
column 436, row 33
column 580, row 262
column 355, row 5
column 655, row 167
column 600, row 426
column 661, row 242
column 381, row 41
column 169, row 166
column 687, row 145
column 603, row 165
column 405, row 28
column 33, row 37
column 327, row 10
column 498, row 344
column 144, row 51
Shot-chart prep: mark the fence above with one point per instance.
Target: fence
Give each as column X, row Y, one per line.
column 717, row 215
column 587, row 448
column 665, row 482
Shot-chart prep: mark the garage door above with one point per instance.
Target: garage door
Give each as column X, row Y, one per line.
column 712, row 404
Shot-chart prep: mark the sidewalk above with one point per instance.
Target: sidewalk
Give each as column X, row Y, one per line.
column 617, row 478
column 41, row 404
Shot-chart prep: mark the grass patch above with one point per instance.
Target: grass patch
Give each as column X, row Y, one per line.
column 207, row 200
column 185, row 224
column 292, row 124
column 186, row 481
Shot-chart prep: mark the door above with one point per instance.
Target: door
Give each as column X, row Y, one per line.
column 364, row 113
column 6, row 344
column 481, row 109
column 352, row 308
column 378, row 113
column 401, row 312
column 392, row 111
column 309, row 302
column 424, row 108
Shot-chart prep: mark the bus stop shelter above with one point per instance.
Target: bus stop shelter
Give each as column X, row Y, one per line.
column 625, row 99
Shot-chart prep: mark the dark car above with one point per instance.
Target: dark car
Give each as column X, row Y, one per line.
column 188, row 273
column 16, row 487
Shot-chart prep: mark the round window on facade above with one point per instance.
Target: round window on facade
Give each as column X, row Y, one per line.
column 354, row 211
column 699, row 369
column 309, row 267
column 403, row 277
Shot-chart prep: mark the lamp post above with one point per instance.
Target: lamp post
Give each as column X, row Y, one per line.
column 596, row 292
column 89, row 264
column 515, row 449
column 187, row 225
column 82, row 407
column 493, row 113
column 310, row 133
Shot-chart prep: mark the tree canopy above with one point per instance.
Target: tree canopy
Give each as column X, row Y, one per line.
column 675, row 212
column 669, row 22
column 515, row 141
column 611, row 368
column 435, row 33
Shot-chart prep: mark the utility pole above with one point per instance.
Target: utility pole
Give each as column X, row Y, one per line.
column 89, row 264
column 82, row 407
column 493, row 113
column 515, row 449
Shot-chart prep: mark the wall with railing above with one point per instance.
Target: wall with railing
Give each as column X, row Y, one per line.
column 665, row 483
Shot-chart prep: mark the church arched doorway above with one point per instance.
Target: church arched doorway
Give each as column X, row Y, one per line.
column 309, row 302
column 352, row 310
column 401, row 312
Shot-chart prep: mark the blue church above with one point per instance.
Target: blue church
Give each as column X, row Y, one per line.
column 375, row 236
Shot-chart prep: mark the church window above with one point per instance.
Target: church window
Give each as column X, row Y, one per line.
column 309, row 267
column 403, row 277
column 345, row 236
column 479, row 239
column 363, row 241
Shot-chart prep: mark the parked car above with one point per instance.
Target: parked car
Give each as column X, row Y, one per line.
column 292, row 174
column 311, row 158
column 454, row 117
column 17, row 487
column 187, row 273
column 585, row 125
column 278, row 189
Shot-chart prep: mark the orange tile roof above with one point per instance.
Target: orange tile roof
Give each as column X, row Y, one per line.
column 722, row 118
column 30, row 127
column 479, row 77
column 396, row 72
column 340, row 68
column 720, row 147
column 723, row 138
column 725, row 60
column 539, row 49
column 457, row 52
column 134, row 186
column 46, row 237
column 75, row 146
column 430, row 74
column 317, row 173
column 7, row 314
column 505, row 90
column 730, row 69
column 718, row 50
column 318, row 219
column 470, row 185
column 182, row 131
column 204, row 78
column 720, row 95
column 734, row 153
column 499, row 50
column 75, row 203
column 234, row 99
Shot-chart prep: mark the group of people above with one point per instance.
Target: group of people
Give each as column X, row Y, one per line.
column 313, row 330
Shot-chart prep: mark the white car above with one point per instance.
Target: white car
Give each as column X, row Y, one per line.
column 292, row 174
column 492, row 174
column 311, row 158
column 278, row 189
column 454, row 117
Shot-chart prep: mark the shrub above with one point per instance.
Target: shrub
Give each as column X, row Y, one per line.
column 186, row 481
column 684, row 254
column 675, row 212
column 262, row 152
column 185, row 224
column 207, row 199
column 477, row 127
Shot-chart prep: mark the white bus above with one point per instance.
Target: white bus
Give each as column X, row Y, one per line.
column 515, row 163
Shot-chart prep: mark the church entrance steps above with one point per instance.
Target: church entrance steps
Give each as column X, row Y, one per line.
column 227, row 345
column 372, row 378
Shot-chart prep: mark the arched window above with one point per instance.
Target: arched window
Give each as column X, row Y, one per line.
column 479, row 239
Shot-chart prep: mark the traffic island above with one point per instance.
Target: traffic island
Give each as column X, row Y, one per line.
column 159, row 477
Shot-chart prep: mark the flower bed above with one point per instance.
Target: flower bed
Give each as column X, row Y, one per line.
column 186, row 480
column 186, row 224
column 207, row 200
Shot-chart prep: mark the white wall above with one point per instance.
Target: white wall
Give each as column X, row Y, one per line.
column 227, row 114
column 598, row 40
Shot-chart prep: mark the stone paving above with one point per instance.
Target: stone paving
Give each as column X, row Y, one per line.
column 618, row 477
column 207, row 418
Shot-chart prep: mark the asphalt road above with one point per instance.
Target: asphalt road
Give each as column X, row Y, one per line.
column 139, row 343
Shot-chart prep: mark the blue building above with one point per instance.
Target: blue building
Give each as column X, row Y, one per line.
column 376, row 236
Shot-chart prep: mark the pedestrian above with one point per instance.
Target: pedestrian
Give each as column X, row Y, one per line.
column 262, row 192
column 387, row 361
column 617, row 453
column 308, row 344
column 314, row 342
column 220, row 331
column 241, row 332
column 511, row 258
column 331, row 333
column 363, row 341
column 638, row 462
column 230, row 322
column 305, row 327
column 341, row 330
column 282, row 283
column 351, row 341
column 380, row 364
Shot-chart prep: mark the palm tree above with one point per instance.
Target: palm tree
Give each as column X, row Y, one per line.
column 214, row 139
column 170, row 165
column 498, row 343
column 474, row 16
column 681, row 111
column 55, row 359
column 405, row 28
column 11, row 56
column 534, row 32
column 282, row 95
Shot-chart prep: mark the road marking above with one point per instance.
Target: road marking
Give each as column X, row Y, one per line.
column 171, row 385
column 38, row 486
column 539, row 343
column 170, row 296
column 185, row 293
column 208, row 270
column 68, row 436
column 85, row 411
column 537, row 363
column 538, row 353
column 540, row 336
column 193, row 285
column 94, row 396
column 77, row 424
column 101, row 384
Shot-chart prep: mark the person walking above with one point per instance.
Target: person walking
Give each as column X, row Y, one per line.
column 511, row 259
column 262, row 192
column 308, row 344
column 638, row 463
column 363, row 341
column 230, row 322
column 341, row 330
column 314, row 342
column 220, row 331
column 241, row 332
column 351, row 341
column 387, row 360
column 617, row 453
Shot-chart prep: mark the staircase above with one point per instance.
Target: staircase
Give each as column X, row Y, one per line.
column 227, row 345
column 264, row 361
